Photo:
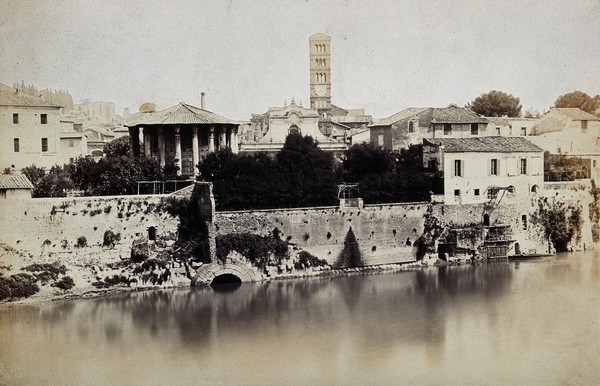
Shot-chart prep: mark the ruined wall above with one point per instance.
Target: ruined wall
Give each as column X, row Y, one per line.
column 382, row 231
column 54, row 225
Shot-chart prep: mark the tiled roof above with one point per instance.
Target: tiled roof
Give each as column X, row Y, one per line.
column 577, row 114
column 11, row 97
column 14, row 181
column 181, row 114
column 455, row 115
column 406, row 113
column 484, row 144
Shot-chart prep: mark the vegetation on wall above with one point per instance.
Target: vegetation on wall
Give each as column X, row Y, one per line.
column 595, row 212
column 259, row 250
column 350, row 256
column 561, row 222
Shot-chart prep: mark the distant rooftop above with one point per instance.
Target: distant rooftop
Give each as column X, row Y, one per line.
column 484, row 145
column 12, row 97
column 576, row 114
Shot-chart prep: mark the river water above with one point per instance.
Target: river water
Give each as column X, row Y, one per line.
column 526, row 322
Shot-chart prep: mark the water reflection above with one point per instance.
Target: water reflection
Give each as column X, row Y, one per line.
column 372, row 321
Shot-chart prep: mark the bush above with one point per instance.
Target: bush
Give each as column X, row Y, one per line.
column 66, row 283
column 110, row 239
column 306, row 259
column 81, row 242
column 22, row 285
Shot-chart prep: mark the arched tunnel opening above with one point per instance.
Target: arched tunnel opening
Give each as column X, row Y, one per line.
column 226, row 282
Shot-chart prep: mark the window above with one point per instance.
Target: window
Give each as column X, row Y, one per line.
column 583, row 127
column 493, row 192
column 476, row 192
column 17, row 148
column 594, row 163
column 411, row 127
column 458, row 168
column 494, row 167
column 447, row 129
column 456, row 192
column 523, row 165
column 71, row 143
column 44, row 144
column 380, row 140
column 152, row 233
column 523, row 131
column 497, row 131
column 15, row 118
column 44, row 119
column 474, row 129
column 524, row 221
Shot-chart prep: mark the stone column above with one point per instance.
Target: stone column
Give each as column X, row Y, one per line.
column 178, row 149
column 161, row 146
column 147, row 142
column 134, row 140
column 223, row 141
column 195, row 151
column 211, row 140
column 234, row 140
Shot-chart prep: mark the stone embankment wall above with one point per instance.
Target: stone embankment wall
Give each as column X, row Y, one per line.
column 385, row 233
column 54, row 225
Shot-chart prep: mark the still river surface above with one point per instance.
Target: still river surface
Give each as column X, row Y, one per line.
column 527, row 322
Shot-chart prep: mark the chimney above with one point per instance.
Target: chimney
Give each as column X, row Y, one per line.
column 202, row 100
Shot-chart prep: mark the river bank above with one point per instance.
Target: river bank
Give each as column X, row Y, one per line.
column 84, row 276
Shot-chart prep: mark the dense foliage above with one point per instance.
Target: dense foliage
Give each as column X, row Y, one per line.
column 580, row 100
column 561, row 222
column 384, row 176
column 559, row 167
column 257, row 249
column 300, row 175
column 116, row 173
column 496, row 104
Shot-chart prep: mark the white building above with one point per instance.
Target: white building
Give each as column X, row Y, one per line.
column 268, row 131
column 31, row 131
column 485, row 169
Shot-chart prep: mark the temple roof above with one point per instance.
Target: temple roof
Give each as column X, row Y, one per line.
column 181, row 114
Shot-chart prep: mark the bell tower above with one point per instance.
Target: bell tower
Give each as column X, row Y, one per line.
column 320, row 73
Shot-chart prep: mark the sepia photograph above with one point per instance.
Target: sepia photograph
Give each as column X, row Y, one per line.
column 302, row 192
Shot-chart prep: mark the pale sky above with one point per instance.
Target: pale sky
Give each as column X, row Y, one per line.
column 249, row 55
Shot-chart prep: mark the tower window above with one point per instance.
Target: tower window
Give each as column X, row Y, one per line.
column 411, row 127
column 474, row 129
column 16, row 146
column 44, row 119
column 15, row 118
column 44, row 144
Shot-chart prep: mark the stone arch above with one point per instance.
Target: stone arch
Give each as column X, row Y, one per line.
column 208, row 272
column 486, row 219
column 535, row 189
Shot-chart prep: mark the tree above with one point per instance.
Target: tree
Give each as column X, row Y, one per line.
column 496, row 104
column 54, row 184
column 580, row 100
column 34, row 174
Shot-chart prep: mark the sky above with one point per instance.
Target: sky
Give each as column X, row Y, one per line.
column 250, row 55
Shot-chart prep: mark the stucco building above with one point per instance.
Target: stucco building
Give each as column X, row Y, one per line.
column 31, row 132
column 485, row 169
column 412, row 125
column 572, row 132
column 15, row 186
column 182, row 135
